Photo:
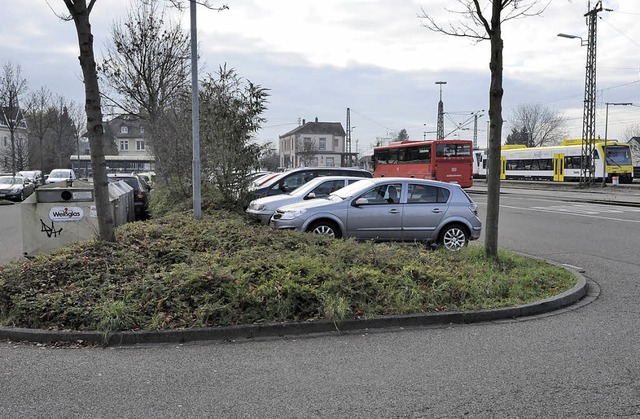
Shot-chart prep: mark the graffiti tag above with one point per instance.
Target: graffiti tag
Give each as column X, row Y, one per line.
column 49, row 231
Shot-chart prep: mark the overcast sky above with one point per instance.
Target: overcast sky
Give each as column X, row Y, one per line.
column 319, row 58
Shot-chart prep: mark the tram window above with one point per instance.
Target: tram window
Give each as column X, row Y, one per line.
column 572, row 162
column 545, row 164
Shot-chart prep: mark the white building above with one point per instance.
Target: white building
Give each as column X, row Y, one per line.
column 20, row 137
column 315, row 144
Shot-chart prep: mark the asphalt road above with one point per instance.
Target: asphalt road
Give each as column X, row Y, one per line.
column 581, row 362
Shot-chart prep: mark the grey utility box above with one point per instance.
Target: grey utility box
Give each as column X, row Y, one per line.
column 63, row 213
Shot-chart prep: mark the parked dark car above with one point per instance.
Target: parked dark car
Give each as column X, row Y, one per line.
column 140, row 192
column 291, row 180
column 15, row 187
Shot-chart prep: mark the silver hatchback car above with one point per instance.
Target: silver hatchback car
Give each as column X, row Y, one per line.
column 389, row 209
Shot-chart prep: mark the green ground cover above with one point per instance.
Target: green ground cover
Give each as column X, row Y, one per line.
column 173, row 272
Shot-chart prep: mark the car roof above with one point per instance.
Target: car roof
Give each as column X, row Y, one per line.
column 377, row 180
column 271, row 181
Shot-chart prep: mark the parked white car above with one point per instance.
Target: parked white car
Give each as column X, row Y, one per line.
column 60, row 175
column 262, row 209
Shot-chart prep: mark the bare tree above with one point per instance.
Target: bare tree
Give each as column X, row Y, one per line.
column 77, row 119
column 477, row 24
column 146, row 69
column 80, row 11
column 630, row 131
column 172, row 149
column 147, row 65
column 544, row 126
column 307, row 152
column 12, row 87
column 39, row 120
column 61, row 136
column 269, row 158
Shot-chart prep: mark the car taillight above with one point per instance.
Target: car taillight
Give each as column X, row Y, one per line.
column 474, row 209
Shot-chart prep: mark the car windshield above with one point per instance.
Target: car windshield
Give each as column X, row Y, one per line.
column 59, row 173
column 350, row 190
column 131, row 181
column 307, row 187
column 10, row 180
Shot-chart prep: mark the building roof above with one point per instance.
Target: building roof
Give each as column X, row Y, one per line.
column 15, row 114
column 329, row 128
column 132, row 122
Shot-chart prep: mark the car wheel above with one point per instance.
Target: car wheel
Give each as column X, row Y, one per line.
column 325, row 228
column 454, row 237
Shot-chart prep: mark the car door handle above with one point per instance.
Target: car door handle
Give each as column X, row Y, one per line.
column 394, row 211
column 436, row 210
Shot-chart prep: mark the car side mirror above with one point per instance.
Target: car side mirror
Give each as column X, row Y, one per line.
column 310, row 195
column 360, row 201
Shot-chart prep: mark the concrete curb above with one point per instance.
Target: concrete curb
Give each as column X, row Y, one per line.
column 559, row 301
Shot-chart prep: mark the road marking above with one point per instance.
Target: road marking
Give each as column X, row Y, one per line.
column 578, row 214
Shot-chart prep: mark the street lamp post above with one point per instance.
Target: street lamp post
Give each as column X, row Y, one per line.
column 582, row 41
column 606, row 127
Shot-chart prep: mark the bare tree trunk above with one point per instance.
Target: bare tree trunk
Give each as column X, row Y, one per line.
column 95, row 130
column 495, row 137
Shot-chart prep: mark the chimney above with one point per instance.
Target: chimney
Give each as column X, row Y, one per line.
column 303, row 122
column 316, row 119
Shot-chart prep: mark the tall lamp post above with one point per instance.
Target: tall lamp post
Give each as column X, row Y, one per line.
column 195, row 117
column 606, row 127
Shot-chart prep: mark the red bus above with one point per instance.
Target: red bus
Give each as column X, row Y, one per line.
column 444, row 160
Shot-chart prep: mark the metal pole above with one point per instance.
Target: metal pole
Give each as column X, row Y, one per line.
column 440, row 128
column 195, row 116
column 604, row 149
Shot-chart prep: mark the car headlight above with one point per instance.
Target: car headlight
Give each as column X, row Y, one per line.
column 254, row 206
column 15, row 190
column 290, row 215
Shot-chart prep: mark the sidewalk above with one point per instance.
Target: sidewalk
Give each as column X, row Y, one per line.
column 611, row 194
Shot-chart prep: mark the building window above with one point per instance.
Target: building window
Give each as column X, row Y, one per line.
column 124, row 129
column 124, row 145
column 141, row 130
column 140, row 145
column 330, row 162
column 6, row 141
column 322, row 144
column 336, row 143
